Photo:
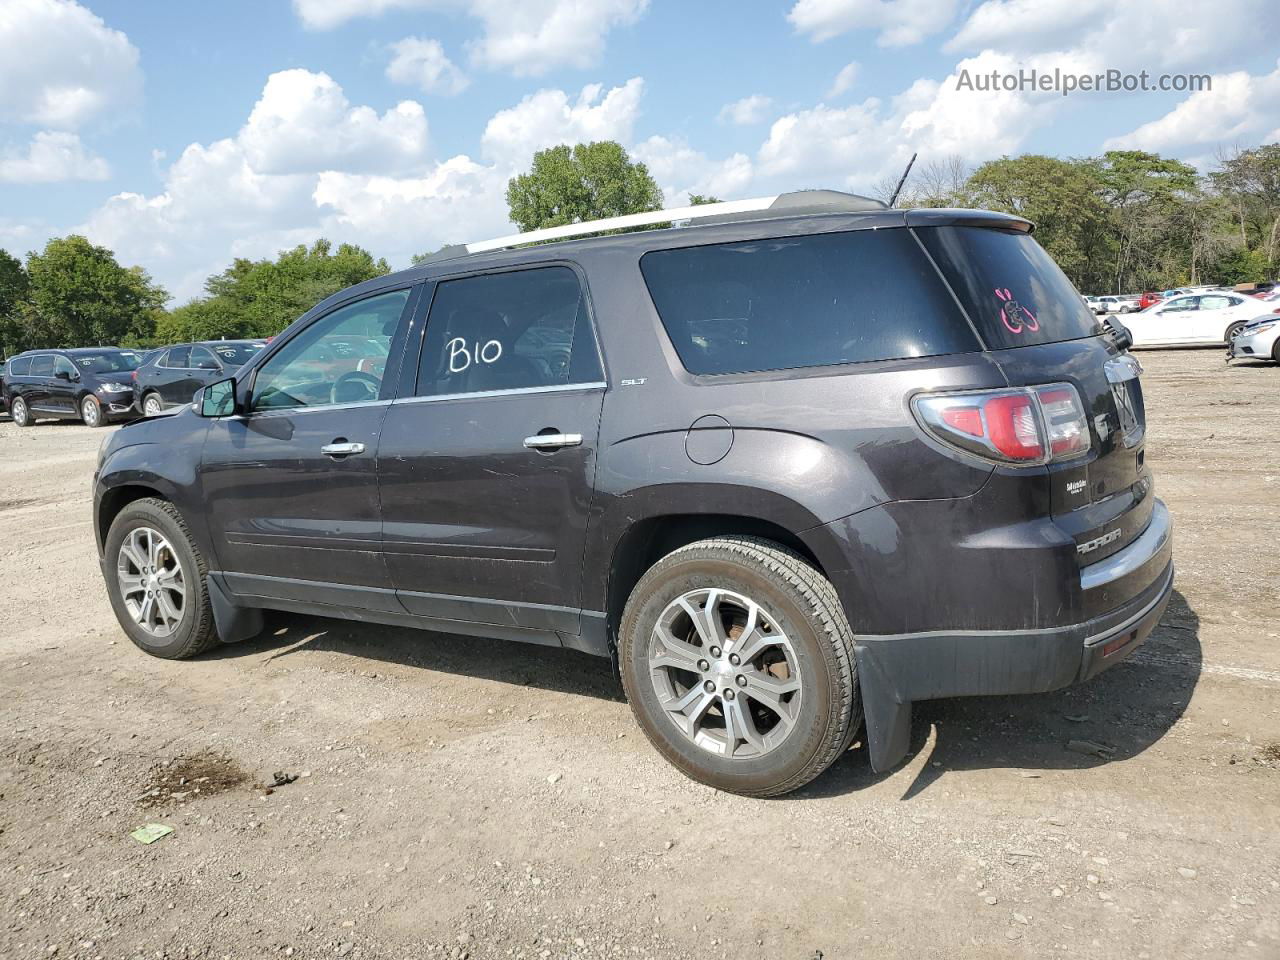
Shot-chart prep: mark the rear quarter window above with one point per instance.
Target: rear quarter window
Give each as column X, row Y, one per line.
column 20, row 367
column 808, row 301
column 1012, row 290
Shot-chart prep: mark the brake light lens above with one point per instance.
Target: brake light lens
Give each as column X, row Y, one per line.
column 1032, row 425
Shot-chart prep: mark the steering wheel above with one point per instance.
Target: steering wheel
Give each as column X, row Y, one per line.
column 355, row 387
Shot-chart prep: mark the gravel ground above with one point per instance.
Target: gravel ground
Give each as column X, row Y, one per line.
column 467, row 798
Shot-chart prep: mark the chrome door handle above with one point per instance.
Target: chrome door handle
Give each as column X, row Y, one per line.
column 553, row 441
column 341, row 449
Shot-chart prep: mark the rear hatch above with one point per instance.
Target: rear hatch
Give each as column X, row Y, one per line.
column 1039, row 331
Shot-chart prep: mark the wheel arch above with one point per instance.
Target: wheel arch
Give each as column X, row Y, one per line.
column 116, row 499
column 648, row 540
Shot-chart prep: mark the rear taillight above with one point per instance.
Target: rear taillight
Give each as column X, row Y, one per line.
column 1031, row 425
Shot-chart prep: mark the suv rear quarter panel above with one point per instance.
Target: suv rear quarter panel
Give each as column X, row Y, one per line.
column 805, row 447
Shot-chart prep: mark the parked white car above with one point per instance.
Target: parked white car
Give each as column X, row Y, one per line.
column 1114, row 304
column 1194, row 319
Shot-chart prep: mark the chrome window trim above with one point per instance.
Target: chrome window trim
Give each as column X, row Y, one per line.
column 512, row 392
column 282, row 411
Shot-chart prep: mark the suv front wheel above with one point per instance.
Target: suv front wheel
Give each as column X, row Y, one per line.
column 738, row 663
column 156, row 579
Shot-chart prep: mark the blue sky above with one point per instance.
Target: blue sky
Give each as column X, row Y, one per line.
column 183, row 134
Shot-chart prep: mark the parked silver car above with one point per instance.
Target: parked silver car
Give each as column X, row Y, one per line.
column 1259, row 339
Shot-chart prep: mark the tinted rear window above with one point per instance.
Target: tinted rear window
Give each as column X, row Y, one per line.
column 1014, row 292
column 803, row 302
column 20, row 367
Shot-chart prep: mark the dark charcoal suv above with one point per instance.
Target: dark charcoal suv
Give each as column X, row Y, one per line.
column 170, row 377
column 793, row 469
column 93, row 384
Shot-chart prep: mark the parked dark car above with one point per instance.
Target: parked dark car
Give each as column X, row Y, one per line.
column 170, row 377
column 92, row 384
column 792, row 470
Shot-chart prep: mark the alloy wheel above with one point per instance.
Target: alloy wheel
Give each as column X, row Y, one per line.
column 151, row 581
column 90, row 412
column 725, row 673
column 152, row 406
column 18, row 410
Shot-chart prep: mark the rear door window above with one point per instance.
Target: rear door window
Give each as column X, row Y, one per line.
column 807, row 301
column 202, row 359
column 1012, row 290
column 178, row 358
column 42, row 366
column 508, row 331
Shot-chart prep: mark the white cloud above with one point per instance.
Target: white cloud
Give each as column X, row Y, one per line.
column 421, row 62
column 844, row 80
column 298, row 170
column 52, row 157
column 856, row 146
column 680, row 170
column 1155, row 34
column 1239, row 106
column 303, row 124
column 60, row 65
column 548, row 117
column 527, row 38
column 533, row 36
column 456, row 201
column 747, row 111
column 900, row 22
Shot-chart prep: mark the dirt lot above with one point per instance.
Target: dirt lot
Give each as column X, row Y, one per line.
column 468, row 798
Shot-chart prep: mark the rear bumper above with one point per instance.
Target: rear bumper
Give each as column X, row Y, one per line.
column 900, row 669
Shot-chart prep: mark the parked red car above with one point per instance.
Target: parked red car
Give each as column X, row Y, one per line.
column 1148, row 299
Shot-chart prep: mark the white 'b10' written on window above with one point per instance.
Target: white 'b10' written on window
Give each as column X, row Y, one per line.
column 461, row 356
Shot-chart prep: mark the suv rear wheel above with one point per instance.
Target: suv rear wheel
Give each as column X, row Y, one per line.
column 738, row 663
column 152, row 405
column 19, row 412
column 156, row 579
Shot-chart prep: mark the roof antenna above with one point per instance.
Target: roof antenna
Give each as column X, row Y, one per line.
column 905, row 173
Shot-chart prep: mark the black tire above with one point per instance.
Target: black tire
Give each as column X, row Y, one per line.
column 1275, row 350
column 1233, row 330
column 91, row 412
column 19, row 412
column 195, row 632
column 805, row 606
column 152, row 395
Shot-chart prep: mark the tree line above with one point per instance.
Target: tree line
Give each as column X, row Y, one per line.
column 1122, row 222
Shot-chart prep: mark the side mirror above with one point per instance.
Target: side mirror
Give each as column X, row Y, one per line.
column 1119, row 333
column 218, row 399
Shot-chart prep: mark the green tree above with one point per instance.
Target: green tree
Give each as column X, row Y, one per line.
column 699, row 199
column 1250, row 181
column 14, row 304
column 1061, row 198
column 259, row 298
column 589, row 181
column 1143, row 191
column 85, row 298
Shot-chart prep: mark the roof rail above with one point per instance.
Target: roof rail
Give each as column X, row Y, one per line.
column 796, row 203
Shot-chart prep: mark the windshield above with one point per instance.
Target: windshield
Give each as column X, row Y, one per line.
column 116, row 361
column 234, row 354
column 1013, row 291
